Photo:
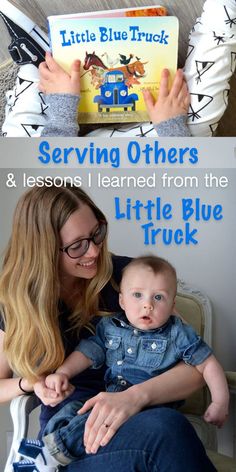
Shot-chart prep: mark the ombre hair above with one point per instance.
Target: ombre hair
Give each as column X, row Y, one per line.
column 30, row 282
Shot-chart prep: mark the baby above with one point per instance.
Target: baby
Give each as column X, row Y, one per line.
column 137, row 344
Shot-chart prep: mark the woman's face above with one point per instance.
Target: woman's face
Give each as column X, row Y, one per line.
column 81, row 224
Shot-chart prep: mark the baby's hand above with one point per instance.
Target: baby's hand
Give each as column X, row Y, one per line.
column 58, row 382
column 53, row 79
column 170, row 103
column 216, row 414
column 49, row 396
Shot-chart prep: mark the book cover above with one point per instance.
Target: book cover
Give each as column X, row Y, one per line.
column 120, row 56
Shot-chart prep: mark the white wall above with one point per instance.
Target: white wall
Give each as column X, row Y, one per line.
column 209, row 266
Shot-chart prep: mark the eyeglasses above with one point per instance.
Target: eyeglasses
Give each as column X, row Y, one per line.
column 80, row 247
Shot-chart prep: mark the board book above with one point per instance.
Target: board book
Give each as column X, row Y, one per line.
column 122, row 52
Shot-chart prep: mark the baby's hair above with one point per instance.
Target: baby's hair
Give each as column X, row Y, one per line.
column 157, row 264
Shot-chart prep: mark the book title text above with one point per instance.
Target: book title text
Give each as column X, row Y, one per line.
column 68, row 38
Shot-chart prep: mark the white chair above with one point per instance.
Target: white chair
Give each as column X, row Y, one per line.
column 20, row 410
column 195, row 308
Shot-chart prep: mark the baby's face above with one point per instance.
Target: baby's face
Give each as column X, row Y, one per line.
column 147, row 298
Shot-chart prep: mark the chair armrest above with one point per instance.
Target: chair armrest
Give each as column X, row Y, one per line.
column 20, row 409
column 231, row 379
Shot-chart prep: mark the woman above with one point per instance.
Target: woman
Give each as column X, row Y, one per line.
column 56, row 275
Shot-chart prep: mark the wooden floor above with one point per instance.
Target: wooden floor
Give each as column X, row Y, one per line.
column 186, row 10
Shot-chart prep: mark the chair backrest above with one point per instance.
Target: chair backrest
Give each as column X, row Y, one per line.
column 195, row 308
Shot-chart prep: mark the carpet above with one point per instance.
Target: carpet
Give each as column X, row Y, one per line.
column 8, row 73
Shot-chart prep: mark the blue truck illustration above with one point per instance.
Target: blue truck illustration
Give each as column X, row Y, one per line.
column 114, row 93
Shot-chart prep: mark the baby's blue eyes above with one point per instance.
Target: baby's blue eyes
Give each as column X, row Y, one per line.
column 139, row 295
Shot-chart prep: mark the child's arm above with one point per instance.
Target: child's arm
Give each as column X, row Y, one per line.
column 214, row 376
column 170, row 104
column 73, row 365
column 89, row 352
column 62, row 97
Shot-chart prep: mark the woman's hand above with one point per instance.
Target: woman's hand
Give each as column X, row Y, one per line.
column 49, row 396
column 170, row 103
column 109, row 412
column 53, row 79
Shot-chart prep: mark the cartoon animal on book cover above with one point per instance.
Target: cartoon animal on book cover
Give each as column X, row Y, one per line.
column 132, row 70
column 114, row 82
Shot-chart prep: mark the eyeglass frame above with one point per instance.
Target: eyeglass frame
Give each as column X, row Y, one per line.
column 66, row 248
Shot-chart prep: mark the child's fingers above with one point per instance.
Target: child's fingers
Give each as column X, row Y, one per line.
column 149, row 100
column 75, row 72
column 51, row 64
column 186, row 99
column 214, row 421
column 184, row 90
column 44, row 71
column 58, row 389
column 75, row 68
column 164, row 87
column 184, row 96
column 41, row 87
column 177, row 83
column 64, row 385
column 186, row 102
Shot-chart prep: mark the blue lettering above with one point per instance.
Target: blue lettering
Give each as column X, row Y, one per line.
column 168, row 236
column 64, row 42
column 133, row 152
column 45, row 157
column 200, row 211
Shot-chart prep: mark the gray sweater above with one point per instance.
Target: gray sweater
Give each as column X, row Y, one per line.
column 63, row 112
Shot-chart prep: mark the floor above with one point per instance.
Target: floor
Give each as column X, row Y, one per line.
column 190, row 9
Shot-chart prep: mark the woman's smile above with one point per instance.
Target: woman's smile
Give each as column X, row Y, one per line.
column 88, row 264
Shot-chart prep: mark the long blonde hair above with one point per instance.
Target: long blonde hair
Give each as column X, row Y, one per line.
column 30, row 285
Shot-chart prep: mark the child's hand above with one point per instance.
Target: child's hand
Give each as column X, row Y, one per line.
column 53, row 79
column 170, row 103
column 49, row 396
column 216, row 414
column 58, row 382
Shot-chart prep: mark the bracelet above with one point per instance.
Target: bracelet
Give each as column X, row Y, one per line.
column 21, row 388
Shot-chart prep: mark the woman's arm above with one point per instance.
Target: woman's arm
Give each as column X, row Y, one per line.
column 175, row 384
column 111, row 410
column 9, row 387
